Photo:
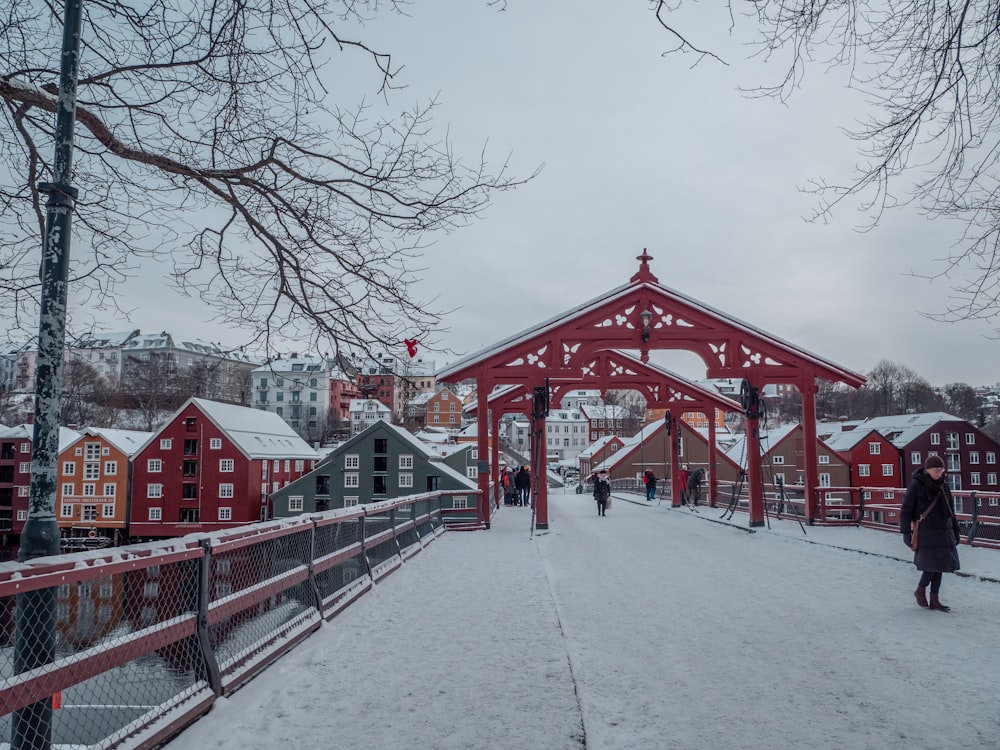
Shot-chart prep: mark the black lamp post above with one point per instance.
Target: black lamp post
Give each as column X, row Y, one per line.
column 35, row 623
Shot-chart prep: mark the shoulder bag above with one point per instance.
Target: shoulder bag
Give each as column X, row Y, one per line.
column 915, row 525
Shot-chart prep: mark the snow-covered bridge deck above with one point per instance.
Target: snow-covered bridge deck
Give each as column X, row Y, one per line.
column 649, row 628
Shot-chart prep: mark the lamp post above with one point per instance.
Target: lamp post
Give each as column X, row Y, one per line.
column 35, row 620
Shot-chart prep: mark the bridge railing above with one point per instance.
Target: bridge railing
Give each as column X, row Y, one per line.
column 978, row 512
column 148, row 636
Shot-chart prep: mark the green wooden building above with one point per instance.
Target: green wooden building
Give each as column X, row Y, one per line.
column 383, row 462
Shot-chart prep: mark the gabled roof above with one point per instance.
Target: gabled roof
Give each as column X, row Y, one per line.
column 903, row 429
column 729, row 346
column 66, row 435
column 845, row 440
column 769, row 440
column 255, row 432
column 597, row 445
column 127, row 441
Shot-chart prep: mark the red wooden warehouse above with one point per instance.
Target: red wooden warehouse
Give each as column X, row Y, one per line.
column 211, row 467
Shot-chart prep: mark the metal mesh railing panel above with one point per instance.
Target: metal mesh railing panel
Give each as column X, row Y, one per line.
column 100, row 624
column 254, row 590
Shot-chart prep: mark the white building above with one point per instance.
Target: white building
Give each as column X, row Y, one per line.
column 366, row 411
column 566, row 434
column 297, row 389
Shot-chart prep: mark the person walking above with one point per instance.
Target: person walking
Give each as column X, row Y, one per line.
column 602, row 491
column 683, row 475
column 929, row 527
column 522, row 483
column 649, row 479
column 694, row 486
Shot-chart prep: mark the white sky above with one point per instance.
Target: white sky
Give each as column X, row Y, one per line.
column 649, row 628
column 642, row 151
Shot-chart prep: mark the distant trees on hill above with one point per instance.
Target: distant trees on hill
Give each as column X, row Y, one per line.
column 893, row 388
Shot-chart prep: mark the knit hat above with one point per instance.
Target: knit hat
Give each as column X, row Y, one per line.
column 934, row 462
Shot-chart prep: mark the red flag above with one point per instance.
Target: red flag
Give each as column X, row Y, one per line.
column 411, row 347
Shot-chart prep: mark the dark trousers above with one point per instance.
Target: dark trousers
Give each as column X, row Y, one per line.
column 602, row 505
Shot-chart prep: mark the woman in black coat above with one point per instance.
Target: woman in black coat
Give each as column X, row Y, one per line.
column 929, row 498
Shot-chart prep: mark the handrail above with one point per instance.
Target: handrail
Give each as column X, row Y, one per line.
column 186, row 620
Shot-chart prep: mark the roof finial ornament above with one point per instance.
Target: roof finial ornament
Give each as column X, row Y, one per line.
column 644, row 274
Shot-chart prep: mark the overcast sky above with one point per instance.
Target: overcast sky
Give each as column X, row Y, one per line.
column 640, row 150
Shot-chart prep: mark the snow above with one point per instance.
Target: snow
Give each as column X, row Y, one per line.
column 649, row 628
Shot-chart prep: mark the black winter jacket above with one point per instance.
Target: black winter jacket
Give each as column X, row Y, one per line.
column 939, row 532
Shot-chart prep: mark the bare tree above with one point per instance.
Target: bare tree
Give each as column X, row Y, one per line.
column 206, row 133
column 962, row 401
column 151, row 387
column 83, row 390
column 932, row 135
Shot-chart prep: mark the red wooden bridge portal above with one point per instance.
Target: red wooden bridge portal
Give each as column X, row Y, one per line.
column 583, row 348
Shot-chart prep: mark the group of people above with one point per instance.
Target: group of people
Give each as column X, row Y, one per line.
column 691, row 482
column 516, row 486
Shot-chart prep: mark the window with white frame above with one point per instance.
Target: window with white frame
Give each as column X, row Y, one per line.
column 974, row 479
column 108, row 510
column 824, row 459
column 275, row 486
column 22, row 515
column 69, row 468
column 92, row 470
column 935, row 438
column 991, row 479
column 973, row 457
column 156, row 514
column 824, row 480
column 68, row 490
column 405, row 460
column 225, row 514
column 475, row 453
column 215, row 444
column 472, row 472
column 299, row 464
column 25, row 447
column 777, row 459
column 991, row 457
column 25, row 467
column 352, row 461
column 22, row 491
column 92, row 451
column 166, row 443
column 350, row 501
column 89, row 490
column 405, row 480
column 954, row 462
column 351, row 480
column 874, row 449
column 295, row 503
column 109, row 489
column 887, row 470
column 460, row 501
column 970, row 438
column 915, row 458
column 89, row 513
column 227, row 465
column 263, row 470
column 288, row 466
column 952, row 438
column 154, row 490
column 225, row 490
column 66, row 511
column 111, row 468
column 154, row 466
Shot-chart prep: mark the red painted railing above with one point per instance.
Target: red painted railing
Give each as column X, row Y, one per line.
column 149, row 635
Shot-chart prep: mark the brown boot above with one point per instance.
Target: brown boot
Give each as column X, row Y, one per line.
column 936, row 604
column 921, row 598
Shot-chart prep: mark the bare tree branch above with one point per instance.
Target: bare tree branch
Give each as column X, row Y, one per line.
column 207, row 134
